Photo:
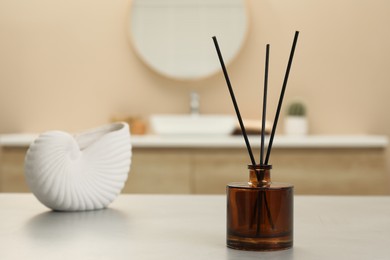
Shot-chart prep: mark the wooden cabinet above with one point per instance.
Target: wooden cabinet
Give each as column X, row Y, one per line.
column 207, row 171
column 12, row 170
column 159, row 171
column 311, row 171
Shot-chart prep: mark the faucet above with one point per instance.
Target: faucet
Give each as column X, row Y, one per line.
column 194, row 103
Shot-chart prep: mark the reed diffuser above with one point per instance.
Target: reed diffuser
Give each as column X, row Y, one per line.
column 259, row 212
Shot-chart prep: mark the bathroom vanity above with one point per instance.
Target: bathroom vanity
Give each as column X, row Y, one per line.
column 204, row 165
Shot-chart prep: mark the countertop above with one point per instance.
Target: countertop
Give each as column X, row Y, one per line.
column 280, row 141
column 188, row 227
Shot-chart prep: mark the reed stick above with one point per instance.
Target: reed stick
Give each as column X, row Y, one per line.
column 281, row 97
column 264, row 104
column 248, row 146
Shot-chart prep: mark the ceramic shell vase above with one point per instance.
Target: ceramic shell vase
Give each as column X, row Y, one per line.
column 79, row 172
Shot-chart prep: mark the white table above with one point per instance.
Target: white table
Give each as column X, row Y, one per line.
column 188, row 227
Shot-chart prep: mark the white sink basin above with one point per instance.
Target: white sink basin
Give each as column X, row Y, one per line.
column 192, row 124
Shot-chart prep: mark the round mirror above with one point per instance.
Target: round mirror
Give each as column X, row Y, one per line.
column 173, row 37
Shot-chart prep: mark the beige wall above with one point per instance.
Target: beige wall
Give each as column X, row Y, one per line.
column 69, row 65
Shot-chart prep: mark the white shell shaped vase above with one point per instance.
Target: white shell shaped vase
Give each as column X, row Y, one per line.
column 79, row 172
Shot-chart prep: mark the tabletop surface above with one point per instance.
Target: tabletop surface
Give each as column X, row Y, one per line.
column 188, row 227
column 216, row 141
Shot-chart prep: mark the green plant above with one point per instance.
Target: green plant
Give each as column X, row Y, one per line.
column 296, row 109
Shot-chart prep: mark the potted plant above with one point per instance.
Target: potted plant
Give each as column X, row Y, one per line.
column 296, row 121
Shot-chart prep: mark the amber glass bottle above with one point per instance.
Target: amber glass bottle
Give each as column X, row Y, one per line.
column 259, row 213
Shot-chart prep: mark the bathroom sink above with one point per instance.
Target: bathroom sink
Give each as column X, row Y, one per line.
column 192, row 124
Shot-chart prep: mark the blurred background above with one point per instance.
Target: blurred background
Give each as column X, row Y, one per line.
column 74, row 65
